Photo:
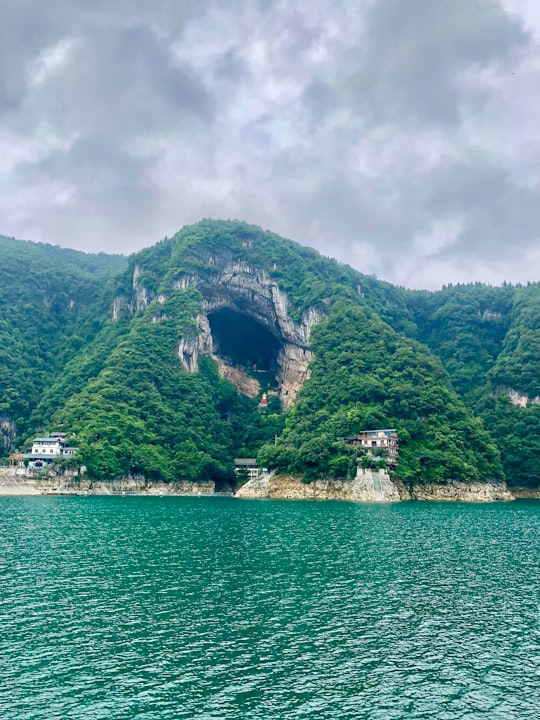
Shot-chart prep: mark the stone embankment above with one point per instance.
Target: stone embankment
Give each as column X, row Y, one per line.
column 367, row 486
column 15, row 482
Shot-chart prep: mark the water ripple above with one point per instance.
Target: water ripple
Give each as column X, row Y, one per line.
column 157, row 608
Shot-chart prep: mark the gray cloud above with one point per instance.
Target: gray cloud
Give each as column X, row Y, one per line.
column 398, row 137
column 417, row 51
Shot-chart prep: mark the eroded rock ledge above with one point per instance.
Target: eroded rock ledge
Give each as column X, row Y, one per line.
column 367, row 486
column 15, row 482
column 461, row 492
column 370, row 486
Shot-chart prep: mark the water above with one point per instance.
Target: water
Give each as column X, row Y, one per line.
column 161, row 608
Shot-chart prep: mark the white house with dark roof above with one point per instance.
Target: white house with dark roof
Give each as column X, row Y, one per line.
column 48, row 446
column 48, row 449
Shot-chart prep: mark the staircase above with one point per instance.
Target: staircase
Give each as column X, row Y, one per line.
column 377, row 488
column 13, row 484
column 8, row 478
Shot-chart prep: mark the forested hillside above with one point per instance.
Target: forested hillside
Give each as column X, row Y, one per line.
column 365, row 375
column 53, row 302
column 488, row 339
column 159, row 363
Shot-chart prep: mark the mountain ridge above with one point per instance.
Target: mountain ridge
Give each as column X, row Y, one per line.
column 149, row 389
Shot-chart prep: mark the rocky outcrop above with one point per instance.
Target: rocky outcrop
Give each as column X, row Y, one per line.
column 130, row 486
column 250, row 291
column 293, row 361
column 367, row 486
column 225, row 282
column 12, row 484
column 243, row 382
column 21, row 482
column 122, row 307
column 195, row 342
column 462, row 492
column 370, row 486
column 8, row 433
column 517, row 398
column 142, row 295
column 521, row 493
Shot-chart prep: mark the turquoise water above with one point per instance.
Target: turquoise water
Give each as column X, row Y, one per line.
column 210, row 608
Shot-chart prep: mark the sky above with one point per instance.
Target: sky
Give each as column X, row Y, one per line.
column 398, row 136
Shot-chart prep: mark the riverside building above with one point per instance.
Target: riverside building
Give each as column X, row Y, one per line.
column 46, row 450
column 382, row 443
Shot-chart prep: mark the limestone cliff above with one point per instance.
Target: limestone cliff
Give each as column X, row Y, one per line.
column 371, row 486
column 27, row 482
column 8, row 433
column 250, row 291
column 245, row 291
column 517, row 398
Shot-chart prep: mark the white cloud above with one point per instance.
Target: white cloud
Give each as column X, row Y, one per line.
column 398, row 137
column 50, row 61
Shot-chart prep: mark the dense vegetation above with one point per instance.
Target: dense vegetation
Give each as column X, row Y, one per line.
column 366, row 375
column 143, row 414
column 440, row 367
column 53, row 303
column 488, row 339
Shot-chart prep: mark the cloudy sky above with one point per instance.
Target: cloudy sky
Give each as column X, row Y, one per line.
column 400, row 136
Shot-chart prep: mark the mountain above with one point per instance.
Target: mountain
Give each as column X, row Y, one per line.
column 488, row 339
column 53, row 304
column 227, row 341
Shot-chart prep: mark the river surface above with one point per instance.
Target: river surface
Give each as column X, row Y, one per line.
column 210, row 608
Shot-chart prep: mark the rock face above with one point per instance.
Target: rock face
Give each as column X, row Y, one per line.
column 521, row 493
column 23, row 482
column 8, row 433
column 245, row 384
column 249, row 291
column 135, row 486
column 463, row 492
column 517, row 398
column 368, row 486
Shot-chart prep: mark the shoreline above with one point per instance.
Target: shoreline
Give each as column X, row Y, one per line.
column 368, row 486
column 374, row 487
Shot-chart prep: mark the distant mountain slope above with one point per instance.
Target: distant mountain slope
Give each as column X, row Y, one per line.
column 488, row 339
column 53, row 302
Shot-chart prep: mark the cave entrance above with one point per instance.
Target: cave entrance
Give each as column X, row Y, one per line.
column 244, row 342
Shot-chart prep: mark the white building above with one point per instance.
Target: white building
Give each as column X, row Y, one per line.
column 246, row 467
column 48, row 449
column 47, row 446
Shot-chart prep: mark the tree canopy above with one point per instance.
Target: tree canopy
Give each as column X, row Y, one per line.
column 443, row 368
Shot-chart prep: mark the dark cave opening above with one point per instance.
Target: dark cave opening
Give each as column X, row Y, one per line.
column 243, row 341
